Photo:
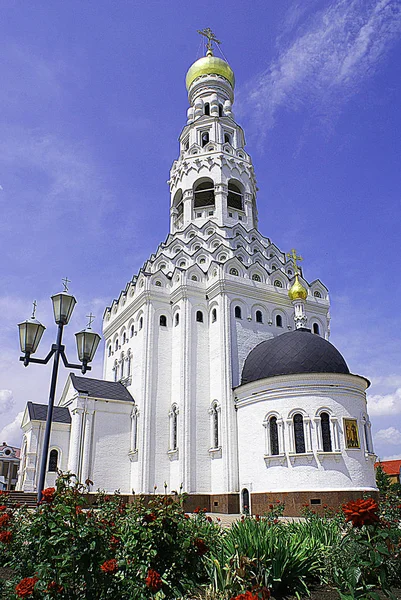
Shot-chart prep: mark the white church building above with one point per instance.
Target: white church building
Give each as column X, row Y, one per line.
column 219, row 378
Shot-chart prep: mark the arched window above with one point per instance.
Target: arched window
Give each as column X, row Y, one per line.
column 177, row 319
column 122, row 370
column 173, row 427
column 116, row 344
column 163, row 321
column 326, row 434
column 194, row 278
column 53, row 461
column 279, row 321
column 316, row 329
column 214, row 315
column 238, row 312
column 256, row 277
column 109, row 350
column 317, row 294
column 227, row 138
column 278, row 283
column 215, row 426
column 220, row 110
column 273, row 434
column 299, row 435
column 368, row 436
column 234, row 272
column 124, row 337
column 129, row 361
column 234, row 197
column 259, row 316
column 140, row 323
column 204, row 139
column 204, row 194
column 199, row 316
column 207, row 108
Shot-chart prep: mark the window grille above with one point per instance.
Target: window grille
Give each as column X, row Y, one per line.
column 53, row 460
column 326, row 434
column 299, row 434
column 273, row 432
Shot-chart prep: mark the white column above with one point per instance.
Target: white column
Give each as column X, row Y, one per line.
column 334, row 431
column 75, row 440
column 280, row 426
column 145, row 454
column 87, row 444
column 185, row 430
column 308, row 434
column 290, row 430
column 319, row 439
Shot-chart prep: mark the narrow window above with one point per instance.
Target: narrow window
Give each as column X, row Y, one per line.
column 259, row 316
column 53, row 461
column 237, row 312
column 199, row 316
column 279, row 321
column 116, row 344
column 124, row 337
column 141, row 323
column 234, row 197
column 326, row 435
column 177, row 319
column 207, row 108
column 273, row 433
column 122, row 360
column 132, row 331
column 368, row 439
column 173, row 430
column 204, row 139
column 256, row 277
column 163, row 321
column 220, row 110
column 299, row 434
column 109, row 351
column 227, row 138
column 234, row 272
column 214, row 315
column 316, row 329
column 215, row 424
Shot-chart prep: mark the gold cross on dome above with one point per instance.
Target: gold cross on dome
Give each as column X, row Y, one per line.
column 208, row 33
column 65, row 283
column 34, row 309
column 294, row 258
column 91, row 319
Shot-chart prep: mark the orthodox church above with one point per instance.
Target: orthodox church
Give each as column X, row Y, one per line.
column 219, row 379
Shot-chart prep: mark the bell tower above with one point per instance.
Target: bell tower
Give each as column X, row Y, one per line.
column 213, row 178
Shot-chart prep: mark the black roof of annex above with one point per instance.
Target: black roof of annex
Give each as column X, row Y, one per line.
column 97, row 388
column 296, row 352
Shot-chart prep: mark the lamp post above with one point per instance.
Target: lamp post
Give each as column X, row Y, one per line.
column 30, row 333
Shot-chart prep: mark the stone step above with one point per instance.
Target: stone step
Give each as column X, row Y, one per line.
column 28, row 498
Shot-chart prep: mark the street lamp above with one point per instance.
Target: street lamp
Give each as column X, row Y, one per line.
column 30, row 334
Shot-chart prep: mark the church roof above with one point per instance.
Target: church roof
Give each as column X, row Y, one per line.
column 296, row 352
column 38, row 412
column 97, row 388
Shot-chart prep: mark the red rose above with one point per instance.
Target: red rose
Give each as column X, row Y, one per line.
column 197, row 509
column 153, row 580
column 271, row 506
column 54, row 587
column 149, row 518
column 25, row 587
column 4, row 519
column 361, row 512
column 114, row 541
column 257, row 518
column 201, row 547
column 109, row 566
column 3, row 508
column 48, row 494
column 247, row 596
column 6, row 537
column 78, row 510
column 275, row 521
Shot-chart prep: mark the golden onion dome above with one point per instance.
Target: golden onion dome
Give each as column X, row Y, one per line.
column 210, row 65
column 297, row 291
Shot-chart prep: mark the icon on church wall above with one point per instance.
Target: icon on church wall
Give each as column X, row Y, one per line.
column 351, row 433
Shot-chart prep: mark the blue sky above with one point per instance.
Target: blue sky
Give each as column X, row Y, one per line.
column 93, row 99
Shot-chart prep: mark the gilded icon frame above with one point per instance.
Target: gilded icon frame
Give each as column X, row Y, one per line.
column 351, row 434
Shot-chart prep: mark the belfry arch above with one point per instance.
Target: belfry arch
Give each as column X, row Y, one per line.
column 204, row 193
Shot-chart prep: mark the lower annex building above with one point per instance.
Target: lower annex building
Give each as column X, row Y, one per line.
column 219, row 378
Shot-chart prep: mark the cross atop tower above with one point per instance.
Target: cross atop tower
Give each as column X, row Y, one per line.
column 208, row 33
column 66, row 281
column 91, row 319
column 294, row 258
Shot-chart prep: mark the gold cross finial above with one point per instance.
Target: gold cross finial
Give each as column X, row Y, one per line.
column 65, row 284
column 208, row 33
column 91, row 319
column 34, row 309
column 294, row 258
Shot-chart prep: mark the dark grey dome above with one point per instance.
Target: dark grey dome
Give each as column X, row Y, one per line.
column 298, row 351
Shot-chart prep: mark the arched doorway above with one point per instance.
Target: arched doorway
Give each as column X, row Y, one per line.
column 245, row 508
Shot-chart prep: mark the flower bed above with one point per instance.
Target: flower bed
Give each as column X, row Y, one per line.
column 66, row 550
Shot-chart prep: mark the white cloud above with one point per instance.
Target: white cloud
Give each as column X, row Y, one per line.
column 391, row 435
column 12, row 433
column 325, row 64
column 387, row 404
column 6, row 401
column 392, row 457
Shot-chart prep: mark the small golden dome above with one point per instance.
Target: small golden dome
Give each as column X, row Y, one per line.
column 297, row 291
column 210, row 65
